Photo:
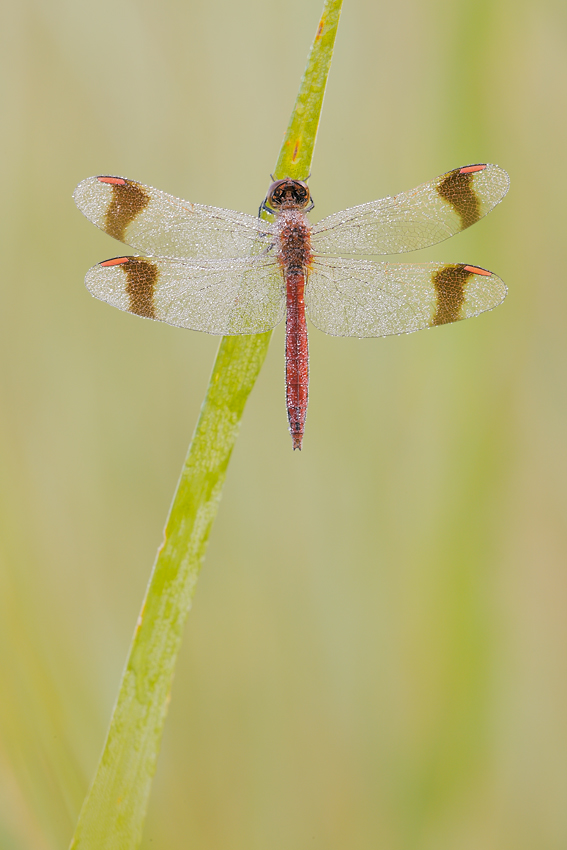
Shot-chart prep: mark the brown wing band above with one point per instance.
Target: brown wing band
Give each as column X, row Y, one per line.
column 449, row 283
column 128, row 200
column 457, row 189
column 140, row 286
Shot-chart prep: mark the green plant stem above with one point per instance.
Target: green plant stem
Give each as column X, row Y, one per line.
column 113, row 813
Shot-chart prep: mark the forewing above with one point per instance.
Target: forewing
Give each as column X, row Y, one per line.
column 364, row 299
column 157, row 223
column 414, row 219
column 241, row 296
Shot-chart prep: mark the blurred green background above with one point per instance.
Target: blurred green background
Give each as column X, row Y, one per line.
column 377, row 652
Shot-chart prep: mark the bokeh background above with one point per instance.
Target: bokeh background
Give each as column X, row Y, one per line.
column 377, row 652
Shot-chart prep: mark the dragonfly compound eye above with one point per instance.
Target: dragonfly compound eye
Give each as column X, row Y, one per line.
column 289, row 194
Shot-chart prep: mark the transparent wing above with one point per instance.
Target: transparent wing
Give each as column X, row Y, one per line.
column 414, row 219
column 365, row 299
column 157, row 223
column 241, row 296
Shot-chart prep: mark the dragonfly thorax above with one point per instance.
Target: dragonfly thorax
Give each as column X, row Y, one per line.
column 294, row 240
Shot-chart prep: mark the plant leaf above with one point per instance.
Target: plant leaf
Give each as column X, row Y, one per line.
column 113, row 814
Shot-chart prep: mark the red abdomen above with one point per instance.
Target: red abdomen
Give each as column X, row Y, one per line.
column 296, row 357
column 294, row 255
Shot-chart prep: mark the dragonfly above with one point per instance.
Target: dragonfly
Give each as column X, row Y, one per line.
column 224, row 272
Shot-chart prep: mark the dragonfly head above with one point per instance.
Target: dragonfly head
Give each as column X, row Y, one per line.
column 288, row 194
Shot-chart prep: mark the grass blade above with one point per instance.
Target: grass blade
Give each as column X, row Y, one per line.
column 114, row 810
